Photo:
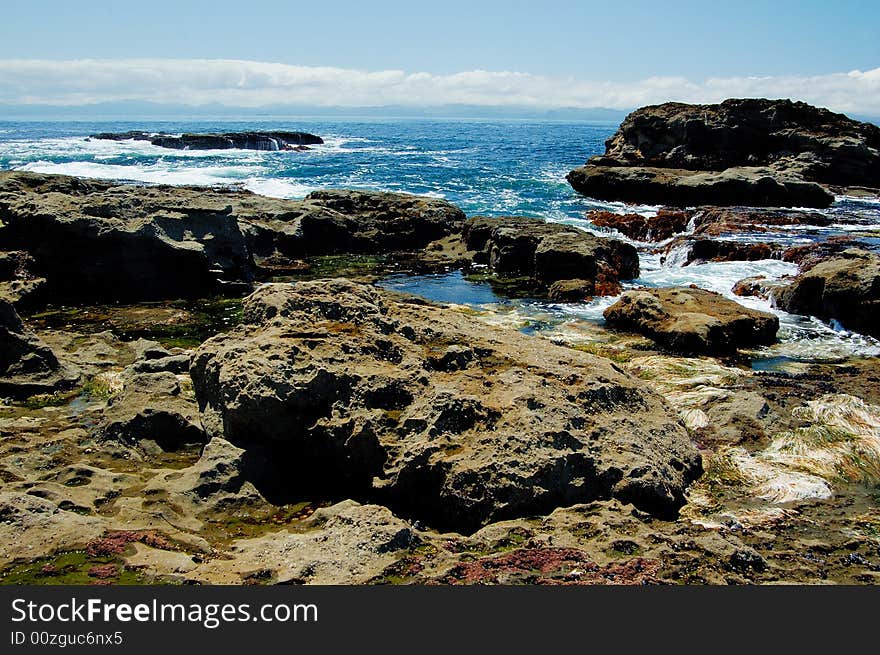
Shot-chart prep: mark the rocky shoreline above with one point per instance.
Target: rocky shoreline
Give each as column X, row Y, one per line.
column 207, row 386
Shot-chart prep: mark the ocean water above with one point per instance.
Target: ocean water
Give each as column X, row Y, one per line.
column 499, row 167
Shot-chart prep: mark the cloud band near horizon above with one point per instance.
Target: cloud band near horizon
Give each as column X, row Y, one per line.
column 254, row 84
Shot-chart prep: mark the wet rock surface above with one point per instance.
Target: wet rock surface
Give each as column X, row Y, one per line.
column 690, row 250
column 844, row 288
column 755, row 186
column 435, row 415
column 659, row 227
column 691, row 320
column 741, row 152
column 474, row 454
column 548, row 252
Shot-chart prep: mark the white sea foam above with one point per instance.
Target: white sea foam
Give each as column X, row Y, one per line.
column 279, row 188
column 159, row 173
column 714, row 276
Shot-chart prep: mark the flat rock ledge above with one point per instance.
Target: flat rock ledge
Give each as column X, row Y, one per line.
column 345, row 389
column 692, row 321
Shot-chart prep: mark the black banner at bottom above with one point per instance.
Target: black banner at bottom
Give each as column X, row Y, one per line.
column 407, row 619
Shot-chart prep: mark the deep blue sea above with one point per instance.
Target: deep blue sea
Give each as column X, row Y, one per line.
column 497, row 167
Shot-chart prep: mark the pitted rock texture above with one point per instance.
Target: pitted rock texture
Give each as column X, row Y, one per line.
column 430, row 412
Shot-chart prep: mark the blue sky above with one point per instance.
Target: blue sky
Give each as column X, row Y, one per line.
column 695, row 49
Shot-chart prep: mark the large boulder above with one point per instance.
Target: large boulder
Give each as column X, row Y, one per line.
column 548, row 252
column 691, row 320
column 361, row 393
column 742, row 151
column 27, row 365
column 844, row 288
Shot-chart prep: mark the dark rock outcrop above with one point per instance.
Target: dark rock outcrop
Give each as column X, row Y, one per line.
column 130, row 135
column 101, row 241
column 18, row 282
column 548, row 252
column 431, row 412
column 807, row 256
column 845, row 288
column 341, row 221
column 224, row 141
column 27, row 365
column 660, row 227
column 743, row 151
column 691, row 320
column 689, row 250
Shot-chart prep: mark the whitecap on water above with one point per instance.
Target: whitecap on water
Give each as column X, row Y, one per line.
column 158, row 173
column 279, row 188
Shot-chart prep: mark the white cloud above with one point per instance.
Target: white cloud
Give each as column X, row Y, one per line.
column 255, row 84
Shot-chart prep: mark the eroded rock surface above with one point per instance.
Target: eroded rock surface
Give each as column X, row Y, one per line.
column 27, row 365
column 431, row 413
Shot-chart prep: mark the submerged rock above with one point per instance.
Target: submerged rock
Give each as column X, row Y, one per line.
column 548, row 252
column 436, row 415
column 27, row 365
column 691, row 320
column 758, row 286
column 845, row 288
column 740, row 152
